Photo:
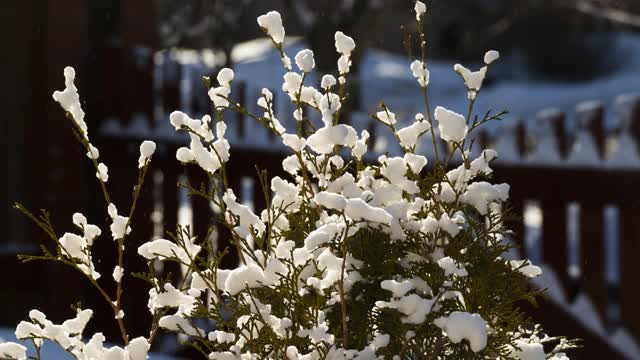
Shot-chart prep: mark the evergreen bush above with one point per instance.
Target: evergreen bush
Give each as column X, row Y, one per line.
column 353, row 257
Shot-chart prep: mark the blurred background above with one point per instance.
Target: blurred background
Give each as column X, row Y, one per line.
column 569, row 74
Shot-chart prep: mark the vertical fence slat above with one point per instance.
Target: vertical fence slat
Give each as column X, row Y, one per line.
column 517, row 223
column 170, row 172
column 171, row 84
column 629, row 250
column 554, row 239
column 225, row 239
column 592, row 254
column 200, row 206
column 122, row 178
column 170, row 175
column 634, row 125
column 136, row 312
column 241, row 94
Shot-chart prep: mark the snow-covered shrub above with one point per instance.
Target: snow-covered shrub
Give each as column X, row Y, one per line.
column 353, row 257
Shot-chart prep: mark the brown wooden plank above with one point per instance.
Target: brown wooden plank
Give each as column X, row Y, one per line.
column 629, row 284
column 171, row 170
column 592, row 253
column 516, row 223
column 171, row 84
column 554, row 239
column 120, row 158
column 136, row 290
column 556, row 183
column 202, row 214
column 241, row 98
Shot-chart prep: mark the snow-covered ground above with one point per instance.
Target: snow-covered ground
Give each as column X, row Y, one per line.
column 386, row 76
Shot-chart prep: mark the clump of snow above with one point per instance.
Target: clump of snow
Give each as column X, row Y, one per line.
column 103, row 172
column 294, row 142
column 292, row 83
column 525, row 350
column 323, row 140
column 386, row 116
column 453, row 127
column 219, row 95
column 147, row 148
column 164, row 249
column 304, row 60
column 221, row 337
column 93, row 152
column 327, row 82
column 245, row 275
column 491, row 56
column 184, row 155
column 330, row 200
column 409, row 135
column 420, row 72
column 225, row 76
column 344, row 44
column 464, row 326
column 482, row 194
column 120, row 225
column 414, row 307
column 11, row 350
column 415, row 162
column 357, row 209
column 69, row 99
column 526, row 268
column 247, row 220
column 420, row 9
column 179, row 324
column 397, row 288
column 271, row 23
column 472, row 79
column 450, row 267
column 117, row 273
